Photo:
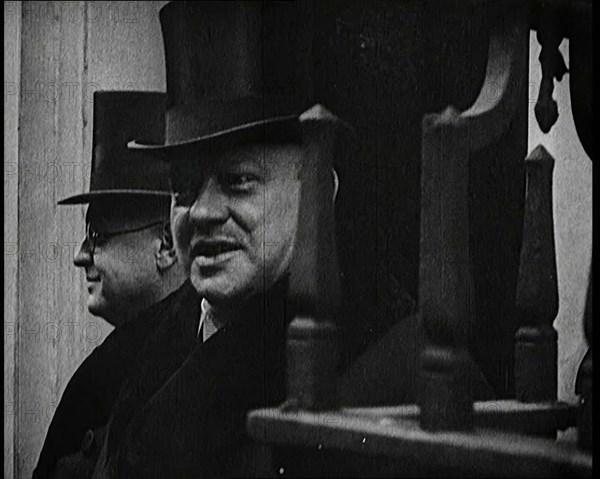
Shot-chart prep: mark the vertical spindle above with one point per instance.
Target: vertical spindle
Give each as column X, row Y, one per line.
column 445, row 396
column 537, row 289
column 314, row 281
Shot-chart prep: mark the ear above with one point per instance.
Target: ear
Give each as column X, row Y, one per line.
column 166, row 255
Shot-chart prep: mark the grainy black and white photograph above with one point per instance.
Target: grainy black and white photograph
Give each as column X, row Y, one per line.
column 344, row 238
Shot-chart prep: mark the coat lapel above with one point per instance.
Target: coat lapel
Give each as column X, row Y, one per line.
column 197, row 418
column 161, row 356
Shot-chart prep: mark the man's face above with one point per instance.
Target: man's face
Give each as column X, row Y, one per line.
column 120, row 270
column 234, row 217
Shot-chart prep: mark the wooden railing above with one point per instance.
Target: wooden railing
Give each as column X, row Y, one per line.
column 449, row 141
column 446, row 432
column 536, row 341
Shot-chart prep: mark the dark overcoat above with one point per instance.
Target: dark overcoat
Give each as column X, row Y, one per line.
column 181, row 411
column 76, row 429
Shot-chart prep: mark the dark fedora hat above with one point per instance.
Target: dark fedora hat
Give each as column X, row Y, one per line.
column 120, row 116
column 236, row 71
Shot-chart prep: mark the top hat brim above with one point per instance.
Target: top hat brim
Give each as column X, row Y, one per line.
column 284, row 128
column 106, row 194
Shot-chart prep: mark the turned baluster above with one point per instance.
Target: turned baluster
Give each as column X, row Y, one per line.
column 445, row 395
column 449, row 142
column 314, row 281
column 537, row 289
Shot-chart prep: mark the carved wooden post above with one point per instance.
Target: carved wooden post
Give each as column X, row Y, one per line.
column 449, row 138
column 445, row 398
column 537, row 290
column 585, row 378
column 314, row 281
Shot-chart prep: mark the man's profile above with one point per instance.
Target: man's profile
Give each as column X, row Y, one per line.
column 129, row 263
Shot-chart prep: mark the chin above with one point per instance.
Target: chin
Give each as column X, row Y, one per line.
column 95, row 311
column 96, row 307
column 217, row 290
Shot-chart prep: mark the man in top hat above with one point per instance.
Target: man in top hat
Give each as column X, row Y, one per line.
column 243, row 140
column 130, row 263
column 239, row 125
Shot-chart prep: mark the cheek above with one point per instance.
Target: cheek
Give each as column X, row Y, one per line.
column 281, row 213
column 111, row 260
column 128, row 269
column 115, row 266
column 247, row 217
column 132, row 263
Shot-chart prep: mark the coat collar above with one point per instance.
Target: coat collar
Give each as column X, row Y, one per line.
column 201, row 406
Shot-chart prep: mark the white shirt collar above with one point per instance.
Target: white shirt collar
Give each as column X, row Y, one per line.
column 210, row 327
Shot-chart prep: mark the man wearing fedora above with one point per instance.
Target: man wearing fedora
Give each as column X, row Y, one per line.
column 130, row 263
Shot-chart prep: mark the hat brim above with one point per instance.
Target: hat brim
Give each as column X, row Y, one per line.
column 105, row 194
column 286, row 128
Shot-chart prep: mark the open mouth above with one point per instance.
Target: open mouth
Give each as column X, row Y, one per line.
column 213, row 248
column 91, row 282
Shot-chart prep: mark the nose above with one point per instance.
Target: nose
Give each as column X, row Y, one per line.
column 83, row 257
column 210, row 206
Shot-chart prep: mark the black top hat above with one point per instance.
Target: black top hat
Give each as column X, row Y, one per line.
column 235, row 71
column 120, row 116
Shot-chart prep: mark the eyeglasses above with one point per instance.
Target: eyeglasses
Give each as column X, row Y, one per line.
column 94, row 237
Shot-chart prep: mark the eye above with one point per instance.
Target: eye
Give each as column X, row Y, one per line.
column 239, row 182
column 97, row 237
column 100, row 239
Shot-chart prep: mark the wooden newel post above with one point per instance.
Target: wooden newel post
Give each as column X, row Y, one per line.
column 450, row 140
column 537, row 290
column 445, row 396
column 314, row 281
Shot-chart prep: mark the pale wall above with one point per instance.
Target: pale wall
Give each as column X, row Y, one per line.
column 58, row 54
column 572, row 190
